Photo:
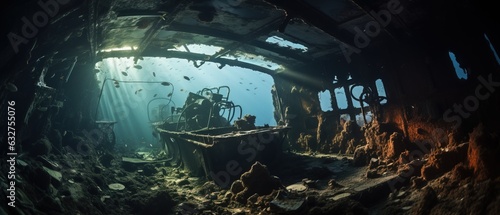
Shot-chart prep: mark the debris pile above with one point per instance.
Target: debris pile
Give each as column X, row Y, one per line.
column 247, row 123
column 348, row 139
column 257, row 181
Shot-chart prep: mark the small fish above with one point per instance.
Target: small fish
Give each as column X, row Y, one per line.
column 53, row 75
column 11, row 87
column 116, row 82
column 155, row 95
column 154, row 74
column 170, row 94
column 138, row 66
column 251, row 83
column 127, row 67
column 248, row 90
column 268, row 65
column 182, row 90
column 255, row 88
column 241, row 82
column 117, row 86
column 187, row 78
column 124, row 73
column 165, row 83
column 137, row 91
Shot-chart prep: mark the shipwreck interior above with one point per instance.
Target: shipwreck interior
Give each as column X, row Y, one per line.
column 250, row 107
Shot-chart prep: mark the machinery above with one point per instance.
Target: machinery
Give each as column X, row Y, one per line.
column 203, row 141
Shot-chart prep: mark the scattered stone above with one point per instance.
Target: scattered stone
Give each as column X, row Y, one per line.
column 284, row 204
column 182, row 182
column 340, row 196
column 106, row 159
column 440, row 162
column 116, row 186
column 55, row 175
column 48, row 163
column 208, row 187
column 401, row 194
column 417, row 182
column 374, row 162
column 310, row 183
column 406, row 208
column 332, row 184
column 360, row 157
column 256, row 180
column 483, row 153
column 299, row 187
column 372, row 174
column 395, row 146
column 41, row 147
column 237, row 187
column 104, row 198
column 149, row 170
column 427, row 200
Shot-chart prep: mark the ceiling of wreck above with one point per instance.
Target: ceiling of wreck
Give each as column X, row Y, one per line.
column 94, row 29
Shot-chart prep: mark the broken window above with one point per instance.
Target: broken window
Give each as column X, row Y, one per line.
column 356, row 93
column 325, row 100
column 197, row 48
column 461, row 72
column 341, row 98
column 381, row 90
column 286, row 44
column 492, row 49
column 344, row 118
column 360, row 121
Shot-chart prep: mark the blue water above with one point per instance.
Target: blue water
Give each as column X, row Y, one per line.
column 128, row 104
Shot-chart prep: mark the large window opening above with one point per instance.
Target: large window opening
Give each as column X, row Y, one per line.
column 137, row 94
